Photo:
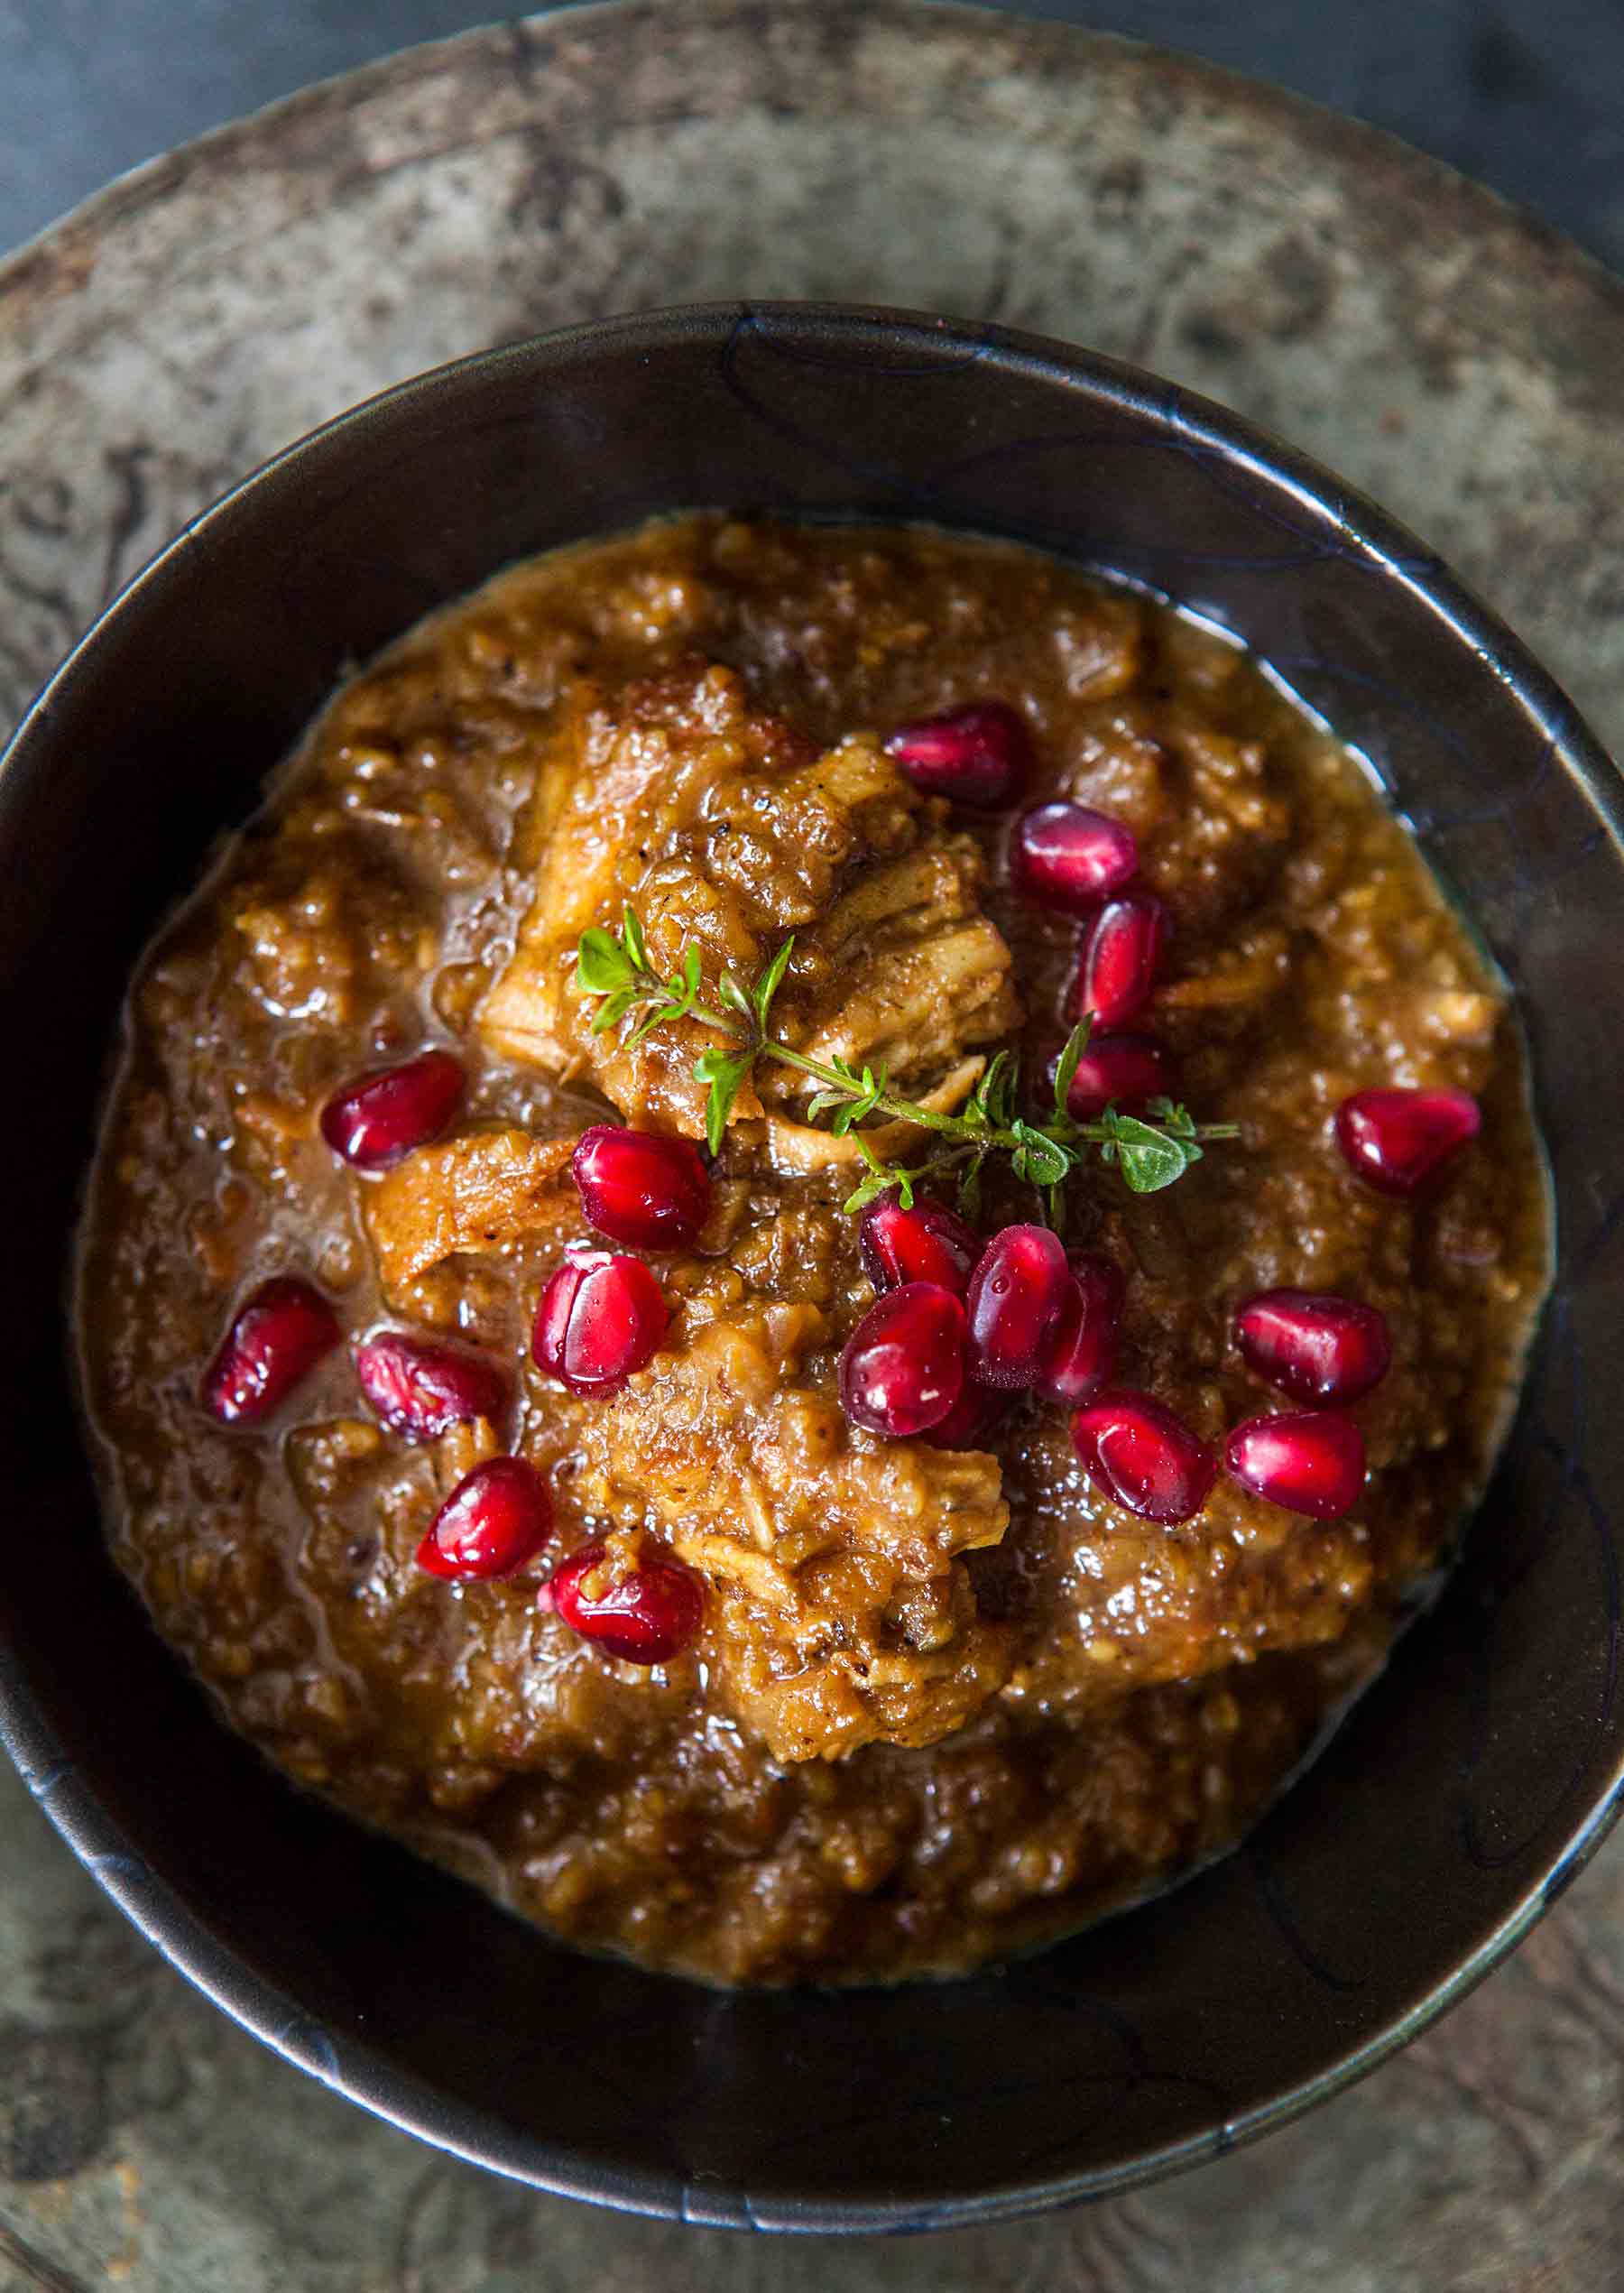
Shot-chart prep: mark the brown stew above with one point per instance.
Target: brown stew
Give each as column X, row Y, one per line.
column 879, row 1701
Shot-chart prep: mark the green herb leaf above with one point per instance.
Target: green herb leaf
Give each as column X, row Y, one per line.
column 681, row 991
column 823, row 1103
column 602, row 965
column 609, row 1012
column 1065, row 1066
column 732, row 998
column 1150, row 1159
column 1183, row 1125
column 1008, row 1100
column 868, row 1090
column 724, row 1073
column 1172, row 1117
column 993, row 1098
column 864, row 1192
column 880, row 1177
column 1039, row 1159
column 970, row 1189
column 1155, row 1163
column 770, row 981
column 661, row 1016
column 632, row 941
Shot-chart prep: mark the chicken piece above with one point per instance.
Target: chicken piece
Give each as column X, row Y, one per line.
column 479, row 1194
column 840, row 1609
column 729, row 830
column 902, row 972
column 800, row 1150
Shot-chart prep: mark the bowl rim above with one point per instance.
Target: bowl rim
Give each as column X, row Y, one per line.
column 369, row 2077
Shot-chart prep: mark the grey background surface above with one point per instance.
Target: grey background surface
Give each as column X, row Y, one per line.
column 1464, row 371
column 1527, row 96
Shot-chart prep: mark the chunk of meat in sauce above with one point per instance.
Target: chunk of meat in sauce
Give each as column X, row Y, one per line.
column 478, row 1194
column 841, row 1612
column 729, row 830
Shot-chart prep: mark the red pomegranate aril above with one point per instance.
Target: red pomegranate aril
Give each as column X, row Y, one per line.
column 1310, row 1461
column 926, row 1244
column 1082, row 1354
column 979, row 755
column 1017, row 1296
column 419, row 1390
column 975, row 1415
column 1313, row 1345
column 1122, row 949
column 903, row 1367
column 1397, row 1139
column 1118, row 1070
column 1142, row 1457
column 278, row 1335
column 645, row 1617
column 1063, row 856
column 379, row 1117
column 498, row 1516
column 601, row 1318
column 650, row 1193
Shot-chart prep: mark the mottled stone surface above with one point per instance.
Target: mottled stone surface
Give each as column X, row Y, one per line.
column 1456, row 360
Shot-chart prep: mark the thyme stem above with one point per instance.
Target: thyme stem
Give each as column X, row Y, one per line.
column 1151, row 1154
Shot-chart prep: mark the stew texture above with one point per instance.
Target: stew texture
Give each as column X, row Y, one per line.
column 927, row 1702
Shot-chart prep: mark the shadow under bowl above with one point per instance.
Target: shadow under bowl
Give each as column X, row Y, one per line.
column 1461, row 1794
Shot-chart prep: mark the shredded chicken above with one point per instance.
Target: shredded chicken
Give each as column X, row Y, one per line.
column 795, row 1149
column 482, row 1193
column 727, row 830
column 841, row 1611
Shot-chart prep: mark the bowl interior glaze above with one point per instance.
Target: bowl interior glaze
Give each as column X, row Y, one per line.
column 1460, row 1796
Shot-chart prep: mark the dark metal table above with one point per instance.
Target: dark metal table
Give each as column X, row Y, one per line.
column 1457, row 361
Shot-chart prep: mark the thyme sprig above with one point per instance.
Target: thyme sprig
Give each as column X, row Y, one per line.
column 1152, row 1151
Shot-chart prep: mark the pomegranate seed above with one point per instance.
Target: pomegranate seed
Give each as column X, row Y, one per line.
column 651, row 1193
column 1017, row 1294
column 600, row 1318
column 377, row 1119
column 278, row 1334
column 421, row 1391
column 1143, row 1457
column 1118, row 1070
column 1313, row 1345
column 498, row 1516
column 1309, row 1461
column 646, row 1617
column 1081, row 1352
column 903, row 1367
column 976, row 1414
column 1066, row 856
column 979, row 755
column 1120, row 951
column 1397, row 1139
column 926, row 1244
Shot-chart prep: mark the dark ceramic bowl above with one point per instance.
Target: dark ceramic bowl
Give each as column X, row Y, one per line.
column 1464, row 1792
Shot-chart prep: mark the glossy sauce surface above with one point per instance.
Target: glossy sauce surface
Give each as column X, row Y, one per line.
column 941, row 1702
